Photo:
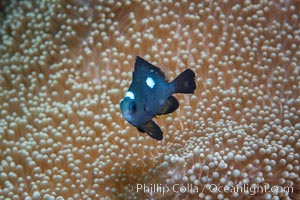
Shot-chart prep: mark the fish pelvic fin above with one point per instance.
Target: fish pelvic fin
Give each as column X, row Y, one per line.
column 152, row 129
column 185, row 82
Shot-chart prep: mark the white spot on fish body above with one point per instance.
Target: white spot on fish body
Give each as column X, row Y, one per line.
column 150, row 82
column 130, row 95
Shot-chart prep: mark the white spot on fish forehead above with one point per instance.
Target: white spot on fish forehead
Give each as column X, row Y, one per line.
column 130, row 95
column 150, row 82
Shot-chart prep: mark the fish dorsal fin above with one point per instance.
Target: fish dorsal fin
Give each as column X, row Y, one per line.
column 142, row 65
column 170, row 106
column 152, row 129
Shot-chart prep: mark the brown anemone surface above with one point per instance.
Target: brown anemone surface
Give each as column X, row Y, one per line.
column 66, row 64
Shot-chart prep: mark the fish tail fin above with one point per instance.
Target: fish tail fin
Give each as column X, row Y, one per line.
column 185, row 82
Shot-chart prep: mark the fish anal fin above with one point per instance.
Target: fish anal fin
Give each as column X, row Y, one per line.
column 170, row 106
column 152, row 129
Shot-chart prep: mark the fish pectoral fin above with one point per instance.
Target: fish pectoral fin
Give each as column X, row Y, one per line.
column 170, row 106
column 152, row 129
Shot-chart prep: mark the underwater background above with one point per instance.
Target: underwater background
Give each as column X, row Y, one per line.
column 66, row 65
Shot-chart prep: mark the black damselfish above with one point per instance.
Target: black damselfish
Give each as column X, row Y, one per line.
column 150, row 94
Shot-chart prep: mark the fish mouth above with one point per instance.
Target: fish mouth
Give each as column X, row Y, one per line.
column 126, row 113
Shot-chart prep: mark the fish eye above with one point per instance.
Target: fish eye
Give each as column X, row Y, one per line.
column 132, row 107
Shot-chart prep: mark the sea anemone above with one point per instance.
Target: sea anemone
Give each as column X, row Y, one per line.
column 65, row 66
